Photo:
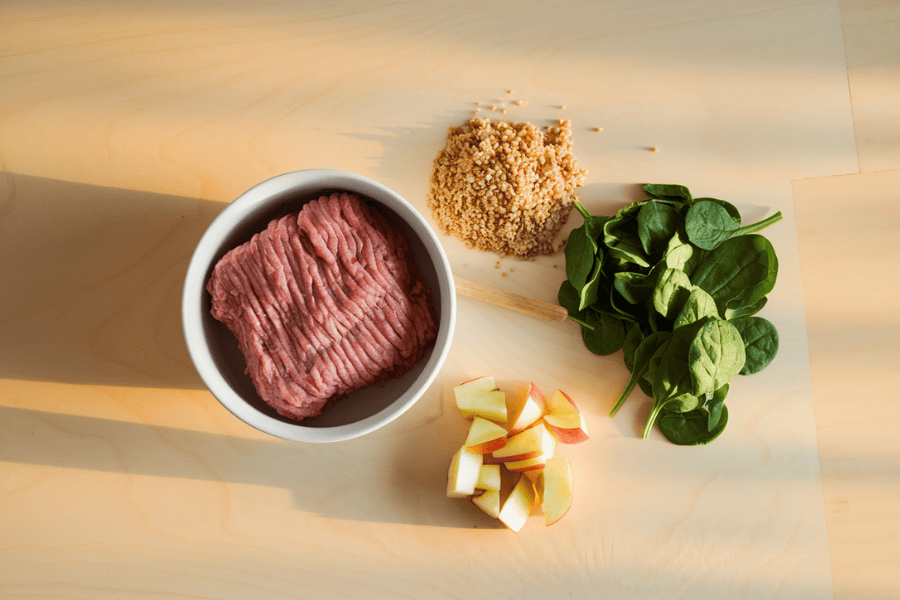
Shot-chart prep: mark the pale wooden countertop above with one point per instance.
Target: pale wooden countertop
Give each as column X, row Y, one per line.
column 125, row 129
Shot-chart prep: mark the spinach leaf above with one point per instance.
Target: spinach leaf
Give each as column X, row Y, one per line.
column 671, row 292
column 570, row 298
column 667, row 191
column 678, row 252
column 715, row 405
column 662, row 346
column 593, row 224
column 588, row 294
column 620, row 235
column 746, row 311
column 604, row 334
column 732, row 210
column 635, row 287
column 740, row 272
column 580, row 255
column 690, row 428
column 715, row 357
column 697, row 307
column 708, row 224
column 633, row 338
column 657, row 223
column 672, row 381
column 760, row 342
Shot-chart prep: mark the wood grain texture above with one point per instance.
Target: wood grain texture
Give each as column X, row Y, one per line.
column 126, row 127
column 872, row 47
column 516, row 302
column 854, row 345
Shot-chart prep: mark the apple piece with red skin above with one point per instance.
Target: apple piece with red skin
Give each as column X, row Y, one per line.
column 489, row 478
column 488, row 501
column 564, row 419
column 536, row 441
column 568, row 428
column 556, row 488
column 463, row 473
column 527, row 465
column 480, row 397
column 560, row 402
column 476, row 385
column 518, row 505
column 485, row 436
column 524, row 406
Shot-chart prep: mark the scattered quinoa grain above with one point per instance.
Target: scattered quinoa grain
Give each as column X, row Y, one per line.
column 654, row 149
column 505, row 187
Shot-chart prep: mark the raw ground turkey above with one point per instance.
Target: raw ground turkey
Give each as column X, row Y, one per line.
column 323, row 302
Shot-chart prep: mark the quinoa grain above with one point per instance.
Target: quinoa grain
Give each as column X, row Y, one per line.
column 504, row 187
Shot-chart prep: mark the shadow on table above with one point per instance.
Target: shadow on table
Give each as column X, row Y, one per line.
column 92, row 280
column 397, row 475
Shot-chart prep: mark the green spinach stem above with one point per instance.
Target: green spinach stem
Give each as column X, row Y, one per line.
column 650, row 421
column 757, row 226
column 631, row 382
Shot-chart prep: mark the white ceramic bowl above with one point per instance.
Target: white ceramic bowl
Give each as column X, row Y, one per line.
column 214, row 349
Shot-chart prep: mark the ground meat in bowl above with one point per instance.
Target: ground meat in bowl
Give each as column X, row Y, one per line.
column 324, row 301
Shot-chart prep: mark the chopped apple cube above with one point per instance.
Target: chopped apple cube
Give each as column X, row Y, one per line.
column 475, row 386
column 465, row 391
column 556, row 488
column 462, row 476
column 560, row 402
column 480, row 397
column 488, row 478
column 565, row 420
column 524, row 407
column 518, row 505
column 485, row 436
column 488, row 501
column 533, row 442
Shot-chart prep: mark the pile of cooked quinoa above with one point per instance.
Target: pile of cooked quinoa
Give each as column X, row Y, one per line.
column 504, row 187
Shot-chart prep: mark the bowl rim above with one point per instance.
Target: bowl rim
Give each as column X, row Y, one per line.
column 194, row 290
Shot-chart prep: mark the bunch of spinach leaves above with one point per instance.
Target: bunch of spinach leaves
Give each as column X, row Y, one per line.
column 675, row 283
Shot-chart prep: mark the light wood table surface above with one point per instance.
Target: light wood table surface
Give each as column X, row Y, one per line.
column 125, row 128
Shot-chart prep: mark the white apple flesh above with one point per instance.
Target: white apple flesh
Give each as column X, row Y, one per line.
column 489, row 502
column 488, row 478
column 490, row 404
column 560, row 402
column 518, row 505
column 485, row 436
column 533, row 442
column 462, row 476
column 524, row 407
column 557, row 488
column 564, row 419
